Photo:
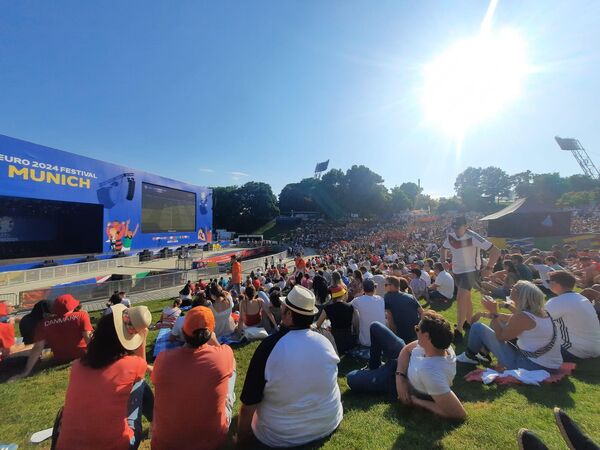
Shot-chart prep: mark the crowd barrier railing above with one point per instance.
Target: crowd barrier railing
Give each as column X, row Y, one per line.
column 102, row 291
column 62, row 271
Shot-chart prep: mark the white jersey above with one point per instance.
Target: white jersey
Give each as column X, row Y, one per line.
column 465, row 250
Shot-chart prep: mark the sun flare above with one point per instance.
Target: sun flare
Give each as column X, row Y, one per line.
column 474, row 80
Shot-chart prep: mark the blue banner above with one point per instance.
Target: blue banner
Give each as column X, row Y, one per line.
column 132, row 220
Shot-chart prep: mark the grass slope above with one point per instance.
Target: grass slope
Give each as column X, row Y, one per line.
column 373, row 422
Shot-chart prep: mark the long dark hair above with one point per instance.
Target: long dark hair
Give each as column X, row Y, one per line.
column 104, row 347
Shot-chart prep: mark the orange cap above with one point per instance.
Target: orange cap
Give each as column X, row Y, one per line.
column 198, row 317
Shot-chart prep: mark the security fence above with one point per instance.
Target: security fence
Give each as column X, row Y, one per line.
column 102, row 291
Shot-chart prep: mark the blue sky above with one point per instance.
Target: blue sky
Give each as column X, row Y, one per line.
column 219, row 93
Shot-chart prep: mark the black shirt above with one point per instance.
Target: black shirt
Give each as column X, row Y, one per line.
column 340, row 315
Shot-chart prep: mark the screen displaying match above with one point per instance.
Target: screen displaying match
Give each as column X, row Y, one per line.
column 167, row 210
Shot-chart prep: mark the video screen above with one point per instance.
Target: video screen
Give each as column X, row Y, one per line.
column 167, row 210
column 31, row 228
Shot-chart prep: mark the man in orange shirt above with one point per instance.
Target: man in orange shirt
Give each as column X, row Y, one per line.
column 209, row 403
column 236, row 275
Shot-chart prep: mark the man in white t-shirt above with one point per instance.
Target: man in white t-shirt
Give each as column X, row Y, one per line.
column 418, row 374
column 443, row 287
column 370, row 308
column 281, row 404
column 465, row 246
column 575, row 316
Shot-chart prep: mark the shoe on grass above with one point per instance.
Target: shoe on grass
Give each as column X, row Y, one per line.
column 574, row 437
column 463, row 358
column 527, row 440
column 458, row 337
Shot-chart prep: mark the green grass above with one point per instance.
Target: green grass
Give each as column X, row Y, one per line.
column 370, row 422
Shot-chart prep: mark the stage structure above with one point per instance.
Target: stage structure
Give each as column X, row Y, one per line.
column 584, row 160
column 54, row 203
column 320, row 168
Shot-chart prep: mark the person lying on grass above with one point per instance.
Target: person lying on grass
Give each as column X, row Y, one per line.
column 538, row 341
column 418, row 374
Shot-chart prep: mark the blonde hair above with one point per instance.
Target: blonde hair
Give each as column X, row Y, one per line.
column 528, row 297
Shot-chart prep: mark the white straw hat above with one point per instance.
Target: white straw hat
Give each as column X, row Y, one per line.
column 129, row 322
column 302, row 301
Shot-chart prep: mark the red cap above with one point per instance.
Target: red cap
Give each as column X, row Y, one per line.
column 256, row 283
column 64, row 303
column 198, row 317
column 3, row 309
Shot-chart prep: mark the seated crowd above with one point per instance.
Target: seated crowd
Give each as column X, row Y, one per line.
column 368, row 294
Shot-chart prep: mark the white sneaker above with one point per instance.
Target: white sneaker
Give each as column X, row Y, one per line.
column 463, row 358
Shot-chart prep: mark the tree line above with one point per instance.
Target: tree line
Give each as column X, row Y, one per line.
column 359, row 190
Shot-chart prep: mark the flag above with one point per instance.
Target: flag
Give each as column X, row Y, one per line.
column 322, row 167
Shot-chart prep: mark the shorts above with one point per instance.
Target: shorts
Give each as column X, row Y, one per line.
column 467, row 280
column 437, row 295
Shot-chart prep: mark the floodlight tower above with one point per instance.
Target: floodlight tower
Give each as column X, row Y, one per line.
column 574, row 146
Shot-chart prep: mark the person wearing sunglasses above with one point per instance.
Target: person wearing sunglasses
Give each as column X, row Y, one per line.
column 419, row 374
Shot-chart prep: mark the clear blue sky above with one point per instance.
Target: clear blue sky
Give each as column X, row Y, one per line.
column 223, row 92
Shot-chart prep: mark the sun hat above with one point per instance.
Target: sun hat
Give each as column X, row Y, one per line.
column 198, row 317
column 128, row 324
column 301, row 301
column 64, row 303
column 338, row 291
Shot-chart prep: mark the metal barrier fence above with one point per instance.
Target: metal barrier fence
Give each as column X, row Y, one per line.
column 51, row 273
column 100, row 291
column 11, row 299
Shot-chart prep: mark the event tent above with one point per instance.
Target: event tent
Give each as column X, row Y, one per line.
column 527, row 217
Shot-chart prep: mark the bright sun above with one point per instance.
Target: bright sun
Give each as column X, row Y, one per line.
column 474, row 80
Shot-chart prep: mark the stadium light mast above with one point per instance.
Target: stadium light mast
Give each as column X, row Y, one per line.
column 585, row 162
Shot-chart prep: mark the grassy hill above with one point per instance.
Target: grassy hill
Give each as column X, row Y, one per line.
column 370, row 422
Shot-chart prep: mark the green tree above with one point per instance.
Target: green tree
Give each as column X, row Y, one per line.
column 426, row 202
column 226, row 206
column 411, row 190
column 495, row 183
column 399, row 201
column 449, row 204
column 580, row 182
column 469, row 180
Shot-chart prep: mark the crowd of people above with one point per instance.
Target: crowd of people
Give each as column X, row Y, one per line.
column 370, row 291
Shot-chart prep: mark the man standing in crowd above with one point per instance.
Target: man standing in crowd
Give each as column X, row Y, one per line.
column 465, row 246
column 208, row 404
column 236, row 275
column 443, row 287
column 576, row 318
column 67, row 332
column 280, row 404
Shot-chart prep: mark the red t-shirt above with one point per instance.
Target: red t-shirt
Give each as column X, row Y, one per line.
column 95, row 414
column 64, row 334
column 192, row 382
column 236, row 273
column 7, row 338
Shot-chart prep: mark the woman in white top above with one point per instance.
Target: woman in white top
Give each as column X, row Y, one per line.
column 538, row 341
column 222, row 305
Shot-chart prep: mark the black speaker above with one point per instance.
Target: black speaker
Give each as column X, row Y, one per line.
column 130, row 188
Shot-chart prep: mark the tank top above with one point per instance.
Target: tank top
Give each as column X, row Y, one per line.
column 537, row 338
